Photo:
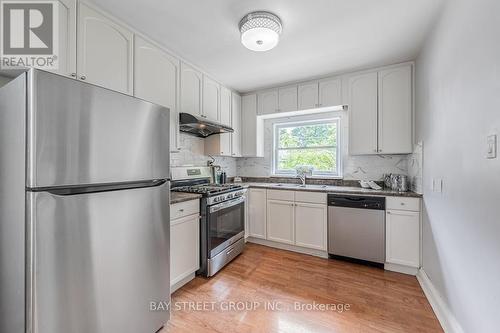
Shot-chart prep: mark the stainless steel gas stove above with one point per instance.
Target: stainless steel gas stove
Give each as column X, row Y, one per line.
column 222, row 225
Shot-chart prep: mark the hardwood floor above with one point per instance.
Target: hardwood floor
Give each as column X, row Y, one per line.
column 379, row 301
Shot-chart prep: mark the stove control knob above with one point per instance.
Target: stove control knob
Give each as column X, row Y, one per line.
column 229, row 196
column 216, row 199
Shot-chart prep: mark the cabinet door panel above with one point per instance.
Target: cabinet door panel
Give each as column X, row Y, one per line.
column 267, row 102
column 236, row 124
column 211, row 99
column 251, row 140
column 67, row 38
column 308, row 96
column 257, row 213
column 287, row 99
column 191, row 87
column 403, row 238
column 156, row 79
column 310, row 225
column 280, row 221
column 105, row 51
column 395, row 111
column 184, row 247
column 363, row 114
column 330, row 92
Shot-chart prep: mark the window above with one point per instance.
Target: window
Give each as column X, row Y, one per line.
column 314, row 143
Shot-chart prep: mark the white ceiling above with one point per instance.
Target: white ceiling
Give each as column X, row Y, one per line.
column 319, row 36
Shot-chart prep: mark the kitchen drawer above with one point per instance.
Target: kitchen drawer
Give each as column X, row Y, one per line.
column 280, row 195
column 310, row 197
column 400, row 203
column 185, row 208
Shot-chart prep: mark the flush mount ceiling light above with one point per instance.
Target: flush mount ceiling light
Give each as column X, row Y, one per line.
column 260, row 31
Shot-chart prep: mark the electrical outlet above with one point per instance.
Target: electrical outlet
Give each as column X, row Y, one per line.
column 491, row 151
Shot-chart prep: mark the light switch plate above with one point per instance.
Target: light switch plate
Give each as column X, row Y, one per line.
column 491, row 151
column 437, row 185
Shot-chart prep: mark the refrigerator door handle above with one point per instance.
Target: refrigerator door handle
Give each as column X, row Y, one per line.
column 94, row 188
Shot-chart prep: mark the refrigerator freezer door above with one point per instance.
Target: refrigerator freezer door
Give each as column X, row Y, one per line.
column 82, row 134
column 99, row 260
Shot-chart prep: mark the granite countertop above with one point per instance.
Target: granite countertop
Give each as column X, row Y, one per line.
column 332, row 189
column 176, row 197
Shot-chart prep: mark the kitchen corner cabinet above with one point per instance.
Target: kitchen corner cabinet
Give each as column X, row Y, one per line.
column 236, row 124
column 280, row 221
column 191, row 89
column 211, row 99
column 257, row 202
column 403, row 231
column 67, row 38
column 105, row 51
column 252, row 136
column 380, row 112
column 156, row 79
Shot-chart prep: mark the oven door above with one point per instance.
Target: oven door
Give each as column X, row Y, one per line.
column 226, row 225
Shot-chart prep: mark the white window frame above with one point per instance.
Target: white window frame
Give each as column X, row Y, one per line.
column 277, row 126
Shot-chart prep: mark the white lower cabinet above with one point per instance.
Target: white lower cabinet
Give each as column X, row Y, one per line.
column 403, row 237
column 402, row 227
column 310, row 225
column 280, row 221
column 184, row 243
column 257, row 201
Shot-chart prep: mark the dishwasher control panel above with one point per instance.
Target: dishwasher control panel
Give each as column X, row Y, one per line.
column 355, row 201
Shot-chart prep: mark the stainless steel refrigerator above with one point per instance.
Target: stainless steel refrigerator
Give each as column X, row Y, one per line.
column 84, row 208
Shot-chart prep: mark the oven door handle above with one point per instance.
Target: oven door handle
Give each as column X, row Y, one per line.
column 226, row 204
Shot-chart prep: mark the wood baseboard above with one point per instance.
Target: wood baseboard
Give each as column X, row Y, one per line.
column 446, row 318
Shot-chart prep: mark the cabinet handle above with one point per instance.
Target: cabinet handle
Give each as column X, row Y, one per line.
column 402, row 204
column 83, row 77
column 388, row 212
column 73, row 75
column 181, row 210
column 233, row 154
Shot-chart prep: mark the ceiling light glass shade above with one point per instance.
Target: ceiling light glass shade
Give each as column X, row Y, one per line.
column 260, row 31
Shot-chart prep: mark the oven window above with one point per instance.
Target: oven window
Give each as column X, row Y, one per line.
column 225, row 224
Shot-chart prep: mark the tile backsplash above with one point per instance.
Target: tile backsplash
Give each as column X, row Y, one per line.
column 192, row 152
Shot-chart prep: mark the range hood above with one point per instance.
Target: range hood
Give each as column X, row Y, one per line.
column 201, row 127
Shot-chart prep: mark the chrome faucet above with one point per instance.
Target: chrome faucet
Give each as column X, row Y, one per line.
column 302, row 178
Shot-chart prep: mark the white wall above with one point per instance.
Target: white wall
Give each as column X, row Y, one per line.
column 354, row 167
column 458, row 105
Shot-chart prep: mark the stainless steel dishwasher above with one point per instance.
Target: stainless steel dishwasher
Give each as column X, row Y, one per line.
column 356, row 228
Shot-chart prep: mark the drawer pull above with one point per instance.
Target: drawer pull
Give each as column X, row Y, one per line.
column 181, row 210
column 402, row 204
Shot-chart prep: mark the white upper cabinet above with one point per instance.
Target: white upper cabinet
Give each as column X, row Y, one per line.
column 267, row 102
column 191, row 88
column 236, row 124
column 211, row 99
column 380, row 111
column 67, row 38
column 252, row 137
column 156, row 79
column 225, row 106
column 308, row 96
column 363, row 114
column 395, row 110
column 330, row 92
column 105, row 51
column 287, row 99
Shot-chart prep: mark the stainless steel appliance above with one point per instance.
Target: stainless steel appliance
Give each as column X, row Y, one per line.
column 200, row 126
column 222, row 225
column 356, row 227
column 84, row 208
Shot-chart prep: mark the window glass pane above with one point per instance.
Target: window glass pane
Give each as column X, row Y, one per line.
column 314, row 135
column 323, row 160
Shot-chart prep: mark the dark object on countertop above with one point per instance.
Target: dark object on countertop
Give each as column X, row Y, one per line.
column 223, row 177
